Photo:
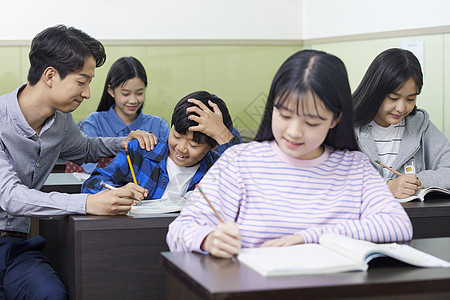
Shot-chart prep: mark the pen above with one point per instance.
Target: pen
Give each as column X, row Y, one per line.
column 110, row 187
column 209, row 203
column 389, row 168
column 131, row 167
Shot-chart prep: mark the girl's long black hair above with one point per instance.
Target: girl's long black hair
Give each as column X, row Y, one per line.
column 325, row 77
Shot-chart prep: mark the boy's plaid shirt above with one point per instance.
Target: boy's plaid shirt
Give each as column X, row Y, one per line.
column 149, row 167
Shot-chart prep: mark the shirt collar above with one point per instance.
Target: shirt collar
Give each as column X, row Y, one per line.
column 19, row 121
column 118, row 125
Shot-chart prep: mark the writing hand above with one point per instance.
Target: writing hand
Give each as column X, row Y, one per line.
column 138, row 191
column 404, row 186
column 224, row 241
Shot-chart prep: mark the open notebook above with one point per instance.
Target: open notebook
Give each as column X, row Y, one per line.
column 421, row 193
column 168, row 204
column 335, row 253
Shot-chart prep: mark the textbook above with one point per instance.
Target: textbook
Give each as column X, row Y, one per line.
column 421, row 193
column 167, row 204
column 334, row 253
column 157, row 206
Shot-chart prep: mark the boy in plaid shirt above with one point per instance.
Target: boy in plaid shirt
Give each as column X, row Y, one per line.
column 201, row 131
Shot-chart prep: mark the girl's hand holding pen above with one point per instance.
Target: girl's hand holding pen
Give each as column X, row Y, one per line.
column 224, row 241
column 404, row 186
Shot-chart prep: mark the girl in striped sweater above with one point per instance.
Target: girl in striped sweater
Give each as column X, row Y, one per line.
column 300, row 178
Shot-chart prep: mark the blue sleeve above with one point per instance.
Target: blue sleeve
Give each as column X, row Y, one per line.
column 164, row 131
column 90, row 129
column 90, row 126
column 116, row 173
column 234, row 141
column 235, row 132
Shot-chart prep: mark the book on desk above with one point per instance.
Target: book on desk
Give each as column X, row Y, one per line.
column 334, row 253
column 170, row 202
column 421, row 193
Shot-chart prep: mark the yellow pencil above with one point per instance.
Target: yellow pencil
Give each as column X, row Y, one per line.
column 131, row 167
column 209, row 203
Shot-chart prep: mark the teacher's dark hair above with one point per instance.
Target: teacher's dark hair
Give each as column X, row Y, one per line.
column 63, row 48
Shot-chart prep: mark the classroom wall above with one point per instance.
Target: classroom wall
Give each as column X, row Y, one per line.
column 336, row 18
column 239, row 74
column 435, row 97
column 233, row 48
column 155, row 19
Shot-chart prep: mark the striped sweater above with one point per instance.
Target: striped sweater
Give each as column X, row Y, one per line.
column 269, row 194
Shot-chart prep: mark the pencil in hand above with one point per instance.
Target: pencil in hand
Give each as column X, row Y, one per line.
column 131, row 167
column 209, row 203
column 110, row 187
column 389, row 168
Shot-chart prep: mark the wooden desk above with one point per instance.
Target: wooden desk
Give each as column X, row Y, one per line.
column 100, row 257
column 113, row 257
column 196, row 276
column 430, row 218
column 62, row 182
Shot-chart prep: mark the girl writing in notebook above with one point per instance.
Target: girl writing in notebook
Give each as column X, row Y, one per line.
column 300, row 178
column 392, row 130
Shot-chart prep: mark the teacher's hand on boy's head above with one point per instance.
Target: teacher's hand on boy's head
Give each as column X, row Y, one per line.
column 146, row 139
column 287, row 240
column 138, row 191
column 109, row 202
column 224, row 241
column 404, row 186
column 210, row 122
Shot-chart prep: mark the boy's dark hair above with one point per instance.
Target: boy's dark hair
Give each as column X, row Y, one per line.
column 180, row 117
column 388, row 72
column 63, row 48
column 325, row 77
column 121, row 70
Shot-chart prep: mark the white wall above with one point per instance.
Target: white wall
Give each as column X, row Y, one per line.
column 220, row 19
column 331, row 18
column 156, row 19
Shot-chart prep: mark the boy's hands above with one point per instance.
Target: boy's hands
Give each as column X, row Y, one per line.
column 146, row 139
column 209, row 122
column 287, row 240
column 138, row 191
column 110, row 202
column 404, row 186
column 224, row 241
